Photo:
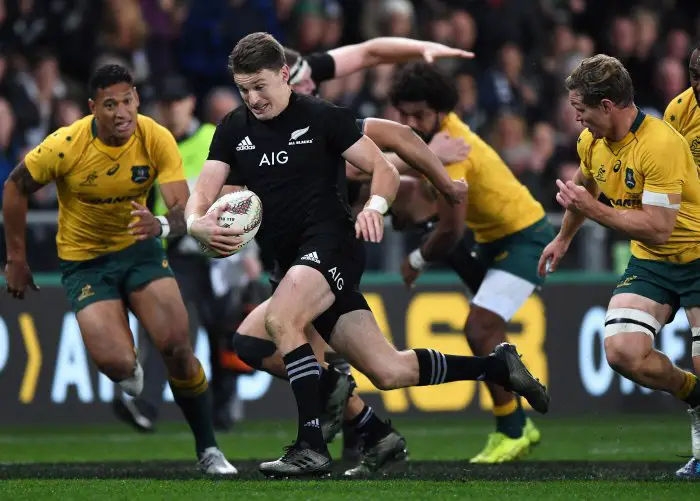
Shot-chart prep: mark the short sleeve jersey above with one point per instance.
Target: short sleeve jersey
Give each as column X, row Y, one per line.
column 292, row 163
column 96, row 183
column 652, row 157
column 498, row 205
column 684, row 115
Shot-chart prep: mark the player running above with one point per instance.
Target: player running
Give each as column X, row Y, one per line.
column 317, row 248
column 510, row 229
column 683, row 114
column 412, row 203
column 103, row 166
column 647, row 171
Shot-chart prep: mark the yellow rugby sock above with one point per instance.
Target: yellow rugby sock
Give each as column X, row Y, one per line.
column 190, row 387
column 505, row 409
column 690, row 391
column 192, row 396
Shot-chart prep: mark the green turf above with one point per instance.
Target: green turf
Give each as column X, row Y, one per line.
column 627, row 443
column 116, row 490
column 635, row 437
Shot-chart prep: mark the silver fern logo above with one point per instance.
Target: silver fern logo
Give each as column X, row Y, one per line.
column 298, row 133
column 294, row 138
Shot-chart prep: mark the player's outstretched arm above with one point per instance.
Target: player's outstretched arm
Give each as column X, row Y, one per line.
column 441, row 241
column 366, row 156
column 411, row 149
column 389, row 50
column 18, row 187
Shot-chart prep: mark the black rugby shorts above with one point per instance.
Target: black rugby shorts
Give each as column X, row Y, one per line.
column 342, row 265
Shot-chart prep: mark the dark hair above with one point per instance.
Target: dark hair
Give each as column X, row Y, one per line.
column 601, row 77
column 420, row 81
column 108, row 75
column 291, row 56
column 256, row 52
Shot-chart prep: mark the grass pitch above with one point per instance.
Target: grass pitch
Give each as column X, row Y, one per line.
column 629, row 458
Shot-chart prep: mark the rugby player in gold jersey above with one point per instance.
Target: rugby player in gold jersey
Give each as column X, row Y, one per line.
column 646, row 170
column 111, row 259
column 510, row 229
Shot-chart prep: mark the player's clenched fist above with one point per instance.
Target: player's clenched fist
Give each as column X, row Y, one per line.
column 145, row 224
column 370, row 225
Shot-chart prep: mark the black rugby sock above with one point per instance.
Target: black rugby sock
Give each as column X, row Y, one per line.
column 303, row 371
column 369, row 426
column 510, row 418
column 437, row 368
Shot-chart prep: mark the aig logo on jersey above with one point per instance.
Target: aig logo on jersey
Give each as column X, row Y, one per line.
column 275, row 158
column 294, row 138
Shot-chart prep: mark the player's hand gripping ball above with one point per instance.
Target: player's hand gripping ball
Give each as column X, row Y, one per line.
column 240, row 211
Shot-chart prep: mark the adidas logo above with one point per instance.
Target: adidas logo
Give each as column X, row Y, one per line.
column 245, row 144
column 311, row 256
column 313, row 423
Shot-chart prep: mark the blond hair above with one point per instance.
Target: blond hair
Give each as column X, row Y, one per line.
column 601, row 77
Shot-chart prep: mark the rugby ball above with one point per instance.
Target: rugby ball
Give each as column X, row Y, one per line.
column 244, row 211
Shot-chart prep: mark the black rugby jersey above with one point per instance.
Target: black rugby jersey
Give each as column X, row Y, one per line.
column 292, row 163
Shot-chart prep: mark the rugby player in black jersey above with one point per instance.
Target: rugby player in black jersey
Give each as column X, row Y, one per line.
column 287, row 149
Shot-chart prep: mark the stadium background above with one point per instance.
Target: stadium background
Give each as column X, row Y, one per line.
column 512, row 94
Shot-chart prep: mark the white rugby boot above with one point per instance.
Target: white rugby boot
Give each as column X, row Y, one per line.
column 213, row 462
column 691, row 469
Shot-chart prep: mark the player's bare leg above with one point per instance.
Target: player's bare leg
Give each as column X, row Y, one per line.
column 692, row 467
column 357, row 337
column 484, row 331
column 301, row 296
column 632, row 322
column 105, row 330
column 497, row 299
column 255, row 347
column 159, row 307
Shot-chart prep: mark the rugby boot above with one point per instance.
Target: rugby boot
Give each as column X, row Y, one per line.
column 691, row 470
column 390, row 448
column 531, row 432
column 298, row 460
column 500, row 448
column 213, row 462
column 520, row 380
column 136, row 413
column 334, row 404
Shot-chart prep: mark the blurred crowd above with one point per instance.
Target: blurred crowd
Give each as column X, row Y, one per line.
column 511, row 93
